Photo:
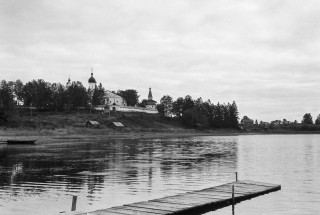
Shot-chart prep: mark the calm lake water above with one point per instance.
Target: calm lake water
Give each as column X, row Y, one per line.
column 42, row 179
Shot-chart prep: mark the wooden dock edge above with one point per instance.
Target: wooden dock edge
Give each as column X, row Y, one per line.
column 198, row 210
column 203, row 208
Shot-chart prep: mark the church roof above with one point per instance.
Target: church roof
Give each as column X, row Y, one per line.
column 91, row 79
column 151, row 102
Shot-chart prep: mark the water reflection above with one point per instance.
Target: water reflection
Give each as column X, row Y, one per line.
column 110, row 172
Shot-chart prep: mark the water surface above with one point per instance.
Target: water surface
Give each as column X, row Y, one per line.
column 42, row 179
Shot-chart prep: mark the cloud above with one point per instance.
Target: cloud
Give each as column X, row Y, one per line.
column 262, row 54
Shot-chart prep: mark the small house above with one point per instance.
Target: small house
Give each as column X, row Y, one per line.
column 116, row 125
column 92, row 124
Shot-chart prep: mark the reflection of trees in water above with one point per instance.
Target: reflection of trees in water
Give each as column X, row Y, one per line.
column 95, row 165
column 95, row 184
column 206, row 156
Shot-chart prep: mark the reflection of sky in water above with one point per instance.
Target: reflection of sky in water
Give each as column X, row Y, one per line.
column 290, row 160
column 38, row 179
column 42, row 179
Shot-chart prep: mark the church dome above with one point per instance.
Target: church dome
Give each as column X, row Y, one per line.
column 91, row 79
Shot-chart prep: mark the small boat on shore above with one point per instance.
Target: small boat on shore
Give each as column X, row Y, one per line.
column 24, row 142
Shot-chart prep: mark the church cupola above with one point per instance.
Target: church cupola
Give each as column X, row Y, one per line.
column 69, row 82
column 92, row 82
column 150, row 94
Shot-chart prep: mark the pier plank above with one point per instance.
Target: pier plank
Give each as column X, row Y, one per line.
column 154, row 211
column 131, row 212
column 194, row 201
column 160, row 205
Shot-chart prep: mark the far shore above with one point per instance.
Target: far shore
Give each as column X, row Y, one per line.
column 65, row 135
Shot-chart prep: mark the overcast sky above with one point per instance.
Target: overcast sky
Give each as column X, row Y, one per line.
column 264, row 54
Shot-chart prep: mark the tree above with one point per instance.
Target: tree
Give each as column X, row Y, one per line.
column 317, row 122
column 59, row 97
column 217, row 119
column 160, row 109
column 256, row 122
column 193, row 118
column 166, row 102
column 177, row 107
column 98, row 95
column 77, row 96
column 188, row 103
column 18, row 90
column 234, row 115
column 143, row 103
column 307, row 119
column 6, row 101
column 207, row 110
column 37, row 93
column 131, row 96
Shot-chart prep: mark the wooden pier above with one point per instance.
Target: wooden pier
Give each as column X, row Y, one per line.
column 195, row 202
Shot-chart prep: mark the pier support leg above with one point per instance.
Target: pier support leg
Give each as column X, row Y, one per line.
column 236, row 176
column 233, row 202
column 74, row 203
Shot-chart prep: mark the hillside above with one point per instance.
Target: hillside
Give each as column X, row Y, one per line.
column 56, row 122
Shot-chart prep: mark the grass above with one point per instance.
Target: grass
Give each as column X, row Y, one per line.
column 64, row 124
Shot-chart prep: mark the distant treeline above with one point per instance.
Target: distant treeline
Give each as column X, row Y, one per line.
column 198, row 113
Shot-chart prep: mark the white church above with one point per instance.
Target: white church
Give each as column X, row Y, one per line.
column 117, row 103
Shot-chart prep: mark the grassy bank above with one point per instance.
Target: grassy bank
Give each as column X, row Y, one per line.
column 50, row 123
column 57, row 126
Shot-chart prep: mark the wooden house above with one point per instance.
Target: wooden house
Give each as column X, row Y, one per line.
column 92, row 124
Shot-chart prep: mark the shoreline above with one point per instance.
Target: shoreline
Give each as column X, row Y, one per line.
column 45, row 137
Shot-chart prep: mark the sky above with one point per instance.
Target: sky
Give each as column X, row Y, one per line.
column 263, row 54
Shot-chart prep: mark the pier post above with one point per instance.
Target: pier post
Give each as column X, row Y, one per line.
column 236, row 176
column 233, row 202
column 74, row 203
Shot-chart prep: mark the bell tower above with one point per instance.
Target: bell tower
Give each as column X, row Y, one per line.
column 150, row 94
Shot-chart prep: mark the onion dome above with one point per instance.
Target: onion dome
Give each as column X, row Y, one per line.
column 91, row 79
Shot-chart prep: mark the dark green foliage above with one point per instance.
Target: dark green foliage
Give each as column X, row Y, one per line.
column 217, row 118
column 18, row 90
column 188, row 103
column 6, row 101
column 131, row 96
column 193, row 118
column 196, row 113
column 307, row 119
column 77, row 96
column 161, row 110
column 165, row 106
column 143, row 103
column 58, row 97
column 37, row 93
column 4, row 117
column 6, row 95
column 98, row 95
column 177, row 107
column 234, row 115
column 317, row 122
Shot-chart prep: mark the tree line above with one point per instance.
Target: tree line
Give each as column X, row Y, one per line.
column 48, row 96
column 307, row 119
column 199, row 113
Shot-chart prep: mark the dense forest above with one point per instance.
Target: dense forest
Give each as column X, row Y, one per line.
column 199, row 113
column 56, row 97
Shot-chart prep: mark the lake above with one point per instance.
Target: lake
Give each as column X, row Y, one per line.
column 42, row 179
